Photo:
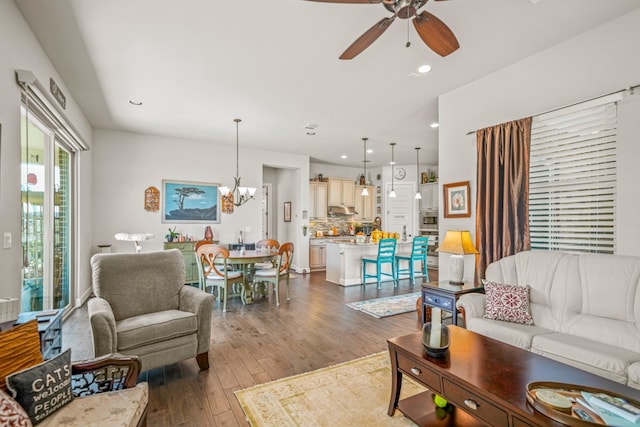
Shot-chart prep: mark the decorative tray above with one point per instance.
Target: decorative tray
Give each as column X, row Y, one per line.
column 575, row 405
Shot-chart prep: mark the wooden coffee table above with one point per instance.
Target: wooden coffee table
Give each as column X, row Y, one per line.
column 484, row 379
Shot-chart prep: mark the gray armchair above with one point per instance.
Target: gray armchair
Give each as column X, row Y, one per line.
column 143, row 308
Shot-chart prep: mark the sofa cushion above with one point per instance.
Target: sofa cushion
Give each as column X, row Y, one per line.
column 633, row 375
column 515, row 334
column 43, row 389
column 507, row 302
column 11, row 413
column 150, row 328
column 123, row 408
column 127, row 280
column 592, row 356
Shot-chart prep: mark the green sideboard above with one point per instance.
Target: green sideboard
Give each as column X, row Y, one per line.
column 188, row 253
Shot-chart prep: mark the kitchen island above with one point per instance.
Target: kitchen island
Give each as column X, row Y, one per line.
column 344, row 265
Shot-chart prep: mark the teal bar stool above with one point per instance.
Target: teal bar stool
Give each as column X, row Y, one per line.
column 386, row 255
column 418, row 253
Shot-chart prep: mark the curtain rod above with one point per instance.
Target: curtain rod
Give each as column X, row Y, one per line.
column 630, row 88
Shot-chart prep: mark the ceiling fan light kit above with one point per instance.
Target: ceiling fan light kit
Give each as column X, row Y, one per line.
column 433, row 32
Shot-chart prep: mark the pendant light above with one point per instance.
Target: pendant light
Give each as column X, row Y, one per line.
column 239, row 195
column 365, row 192
column 418, row 196
column 392, row 193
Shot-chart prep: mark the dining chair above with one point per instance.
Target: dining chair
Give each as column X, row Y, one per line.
column 418, row 253
column 217, row 272
column 266, row 244
column 386, row 255
column 276, row 274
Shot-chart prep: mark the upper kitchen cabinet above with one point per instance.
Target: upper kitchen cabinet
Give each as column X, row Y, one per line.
column 341, row 192
column 429, row 193
column 318, row 195
column 365, row 205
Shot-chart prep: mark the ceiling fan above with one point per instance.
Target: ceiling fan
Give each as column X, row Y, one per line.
column 431, row 30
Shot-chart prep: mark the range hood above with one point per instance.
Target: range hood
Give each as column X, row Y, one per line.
column 342, row 210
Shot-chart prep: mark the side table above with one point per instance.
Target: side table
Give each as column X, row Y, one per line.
column 50, row 329
column 444, row 295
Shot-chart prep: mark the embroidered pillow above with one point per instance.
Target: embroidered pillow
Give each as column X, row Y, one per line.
column 43, row 389
column 507, row 302
column 12, row 414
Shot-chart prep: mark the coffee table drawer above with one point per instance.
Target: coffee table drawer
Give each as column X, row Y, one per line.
column 417, row 370
column 474, row 404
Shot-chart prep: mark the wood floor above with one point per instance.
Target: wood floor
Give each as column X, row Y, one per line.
column 261, row 342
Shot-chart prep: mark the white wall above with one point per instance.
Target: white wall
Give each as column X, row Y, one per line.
column 125, row 164
column 592, row 64
column 19, row 49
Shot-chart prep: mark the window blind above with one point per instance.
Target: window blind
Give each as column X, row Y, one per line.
column 572, row 179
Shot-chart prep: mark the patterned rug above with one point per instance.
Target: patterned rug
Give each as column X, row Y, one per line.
column 387, row 306
column 354, row 393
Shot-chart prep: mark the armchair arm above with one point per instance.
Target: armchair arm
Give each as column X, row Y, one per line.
column 103, row 327
column 107, row 373
column 472, row 305
column 201, row 303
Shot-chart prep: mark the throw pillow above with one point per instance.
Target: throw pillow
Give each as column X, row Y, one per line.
column 19, row 349
column 43, row 389
column 12, row 414
column 507, row 302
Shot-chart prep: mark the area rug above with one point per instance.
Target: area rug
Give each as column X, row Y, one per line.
column 354, row 393
column 387, row 306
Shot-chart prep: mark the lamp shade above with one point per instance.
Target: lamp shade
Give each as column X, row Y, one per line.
column 458, row 243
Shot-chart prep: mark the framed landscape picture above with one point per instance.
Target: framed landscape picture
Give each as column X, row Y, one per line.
column 190, row 202
column 456, row 200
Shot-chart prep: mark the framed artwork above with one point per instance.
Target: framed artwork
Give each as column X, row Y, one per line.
column 287, row 211
column 378, row 210
column 378, row 189
column 190, row 202
column 424, row 177
column 378, row 200
column 456, row 200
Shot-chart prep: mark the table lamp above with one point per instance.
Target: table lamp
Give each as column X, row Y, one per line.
column 457, row 243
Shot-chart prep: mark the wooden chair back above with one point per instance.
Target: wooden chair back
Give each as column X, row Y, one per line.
column 207, row 255
column 267, row 243
column 286, row 255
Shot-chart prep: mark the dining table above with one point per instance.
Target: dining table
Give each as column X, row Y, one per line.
column 246, row 260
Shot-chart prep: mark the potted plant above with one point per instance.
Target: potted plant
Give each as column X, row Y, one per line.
column 172, row 235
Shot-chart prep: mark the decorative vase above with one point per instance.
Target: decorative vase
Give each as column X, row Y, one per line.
column 208, row 233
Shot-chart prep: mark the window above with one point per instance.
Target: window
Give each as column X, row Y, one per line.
column 572, row 180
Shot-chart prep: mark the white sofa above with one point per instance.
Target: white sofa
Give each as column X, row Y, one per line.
column 586, row 310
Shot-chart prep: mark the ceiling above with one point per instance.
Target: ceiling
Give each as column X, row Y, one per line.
column 198, row 64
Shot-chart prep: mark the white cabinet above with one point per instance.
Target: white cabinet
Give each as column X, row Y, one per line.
column 429, row 193
column 341, row 192
column 364, row 205
column 318, row 196
column 317, row 257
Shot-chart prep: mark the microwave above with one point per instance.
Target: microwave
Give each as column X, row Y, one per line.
column 429, row 219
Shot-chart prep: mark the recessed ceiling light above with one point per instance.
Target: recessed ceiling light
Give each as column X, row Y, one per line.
column 344, row 156
column 424, row 69
column 435, row 125
column 135, row 102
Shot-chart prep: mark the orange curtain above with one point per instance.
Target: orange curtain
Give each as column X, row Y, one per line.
column 502, row 207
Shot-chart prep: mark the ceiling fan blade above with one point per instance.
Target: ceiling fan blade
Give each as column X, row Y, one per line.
column 435, row 34
column 348, row 1
column 367, row 38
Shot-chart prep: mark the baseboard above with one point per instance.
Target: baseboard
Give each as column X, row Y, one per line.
column 82, row 298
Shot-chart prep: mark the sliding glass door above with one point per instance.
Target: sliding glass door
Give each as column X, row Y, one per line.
column 46, row 217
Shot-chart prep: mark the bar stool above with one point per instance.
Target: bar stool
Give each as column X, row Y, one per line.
column 418, row 253
column 386, row 255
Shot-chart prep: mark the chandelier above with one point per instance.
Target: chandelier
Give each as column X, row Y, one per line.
column 239, row 195
column 392, row 193
column 418, row 196
column 365, row 192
